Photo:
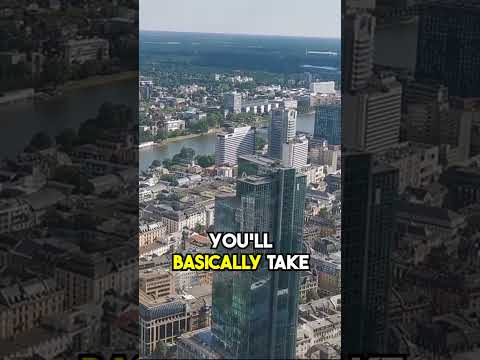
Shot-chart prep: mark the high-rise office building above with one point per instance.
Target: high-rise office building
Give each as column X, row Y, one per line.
column 295, row 152
column 254, row 314
column 434, row 118
column 371, row 117
column 283, row 128
column 357, row 50
column 232, row 102
column 447, row 47
column 368, row 195
column 234, row 142
column 427, row 109
column 328, row 123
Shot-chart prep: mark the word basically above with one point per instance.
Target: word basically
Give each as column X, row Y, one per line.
column 216, row 262
column 240, row 261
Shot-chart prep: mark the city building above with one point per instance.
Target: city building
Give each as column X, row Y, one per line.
column 369, row 194
column 295, row 152
column 245, row 306
column 178, row 220
column 167, row 319
column 232, row 143
column 322, row 154
column 282, row 129
column 156, row 282
column 358, row 48
column 371, row 117
column 324, row 87
column 149, row 233
column 232, row 102
column 328, row 123
column 418, row 164
column 24, row 302
column 81, row 51
column 15, row 215
column 447, row 49
column 85, row 277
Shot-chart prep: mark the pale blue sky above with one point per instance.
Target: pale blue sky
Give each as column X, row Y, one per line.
column 320, row 18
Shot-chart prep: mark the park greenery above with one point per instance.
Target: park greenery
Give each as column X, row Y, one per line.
column 185, row 156
column 109, row 117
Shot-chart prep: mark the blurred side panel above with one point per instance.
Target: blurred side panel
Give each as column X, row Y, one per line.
column 68, row 178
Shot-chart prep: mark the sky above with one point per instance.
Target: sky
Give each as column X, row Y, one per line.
column 316, row 18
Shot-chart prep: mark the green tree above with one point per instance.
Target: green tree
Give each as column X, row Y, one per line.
column 71, row 175
column 260, row 142
column 54, row 71
column 187, row 153
column 167, row 163
column 155, row 163
column 66, row 139
column 201, row 126
column 199, row 228
column 145, row 136
column 161, row 350
column 39, row 141
column 205, row 160
column 214, row 119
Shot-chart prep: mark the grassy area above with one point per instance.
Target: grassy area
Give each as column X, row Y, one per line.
column 99, row 80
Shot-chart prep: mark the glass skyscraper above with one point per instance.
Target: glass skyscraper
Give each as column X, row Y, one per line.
column 328, row 123
column 254, row 314
column 369, row 192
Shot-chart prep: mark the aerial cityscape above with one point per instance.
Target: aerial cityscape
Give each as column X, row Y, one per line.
column 140, row 139
column 239, row 133
column 68, row 178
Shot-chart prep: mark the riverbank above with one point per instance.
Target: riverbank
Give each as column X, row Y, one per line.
column 94, row 81
column 98, row 80
column 175, row 139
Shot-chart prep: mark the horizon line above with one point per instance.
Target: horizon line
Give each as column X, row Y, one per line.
column 229, row 33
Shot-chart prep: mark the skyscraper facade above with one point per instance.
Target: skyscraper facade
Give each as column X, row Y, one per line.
column 368, row 192
column 282, row 129
column 328, row 123
column 254, row 314
column 372, row 116
column 234, row 142
column 232, row 102
column 295, row 152
column 447, row 47
column 357, row 47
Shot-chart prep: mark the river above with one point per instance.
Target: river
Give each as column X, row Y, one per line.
column 19, row 121
column 204, row 145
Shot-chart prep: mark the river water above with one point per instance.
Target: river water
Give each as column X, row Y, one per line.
column 19, row 121
column 204, row 145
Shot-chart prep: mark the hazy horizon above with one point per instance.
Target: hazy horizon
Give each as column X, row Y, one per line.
column 240, row 34
column 303, row 18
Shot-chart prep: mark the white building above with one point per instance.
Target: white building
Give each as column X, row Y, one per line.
column 283, row 128
column 234, row 142
column 177, row 221
column 173, row 125
column 418, row 164
column 295, row 152
column 358, row 48
column 15, row 215
column 371, row 117
column 81, row 51
column 324, row 87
